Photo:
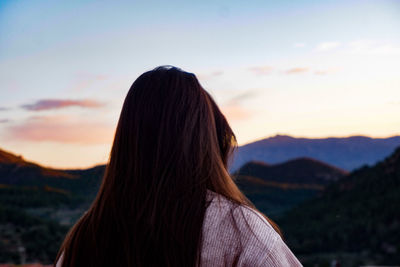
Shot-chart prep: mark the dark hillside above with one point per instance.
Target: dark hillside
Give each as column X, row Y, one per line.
column 277, row 188
column 358, row 217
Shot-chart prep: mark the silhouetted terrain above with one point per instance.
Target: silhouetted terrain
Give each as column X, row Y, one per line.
column 16, row 171
column 353, row 217
column 37, row 206
column 356, row 220
column 346, row 153
column 277, row 188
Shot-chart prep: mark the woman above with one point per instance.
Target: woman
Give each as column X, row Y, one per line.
column 167, row 198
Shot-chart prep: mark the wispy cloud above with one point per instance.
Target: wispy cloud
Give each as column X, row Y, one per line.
column 46, row 104
column 373, row 47
column 326, row 71
column 297, row 45
column 367, row 47
column 297, row 70
column 63, row 129
column 4, row 108
column 210, row 75
column 326, row 46
column 243, row 96
column 4, row 120
column 261, row 70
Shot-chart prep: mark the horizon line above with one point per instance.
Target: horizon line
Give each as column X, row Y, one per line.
column 257, row 140
column 326, row 137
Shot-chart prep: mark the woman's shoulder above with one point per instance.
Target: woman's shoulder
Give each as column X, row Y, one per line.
column 250, row 223
column 229, row 227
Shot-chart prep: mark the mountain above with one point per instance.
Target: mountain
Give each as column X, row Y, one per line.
column 14, row 168
column 38, row 205
column 15, row 171
column 356, row 220
column 276, row 188
column 346, row 153
column 301, row 170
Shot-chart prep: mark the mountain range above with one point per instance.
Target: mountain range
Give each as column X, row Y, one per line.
column 347, row 153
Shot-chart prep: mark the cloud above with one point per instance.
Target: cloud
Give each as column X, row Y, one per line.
column 62, row 129
column 326, row 46
column 296, row 70
column 210, row 75
column 46, row 104
column 243, row 96
column 371, row 47
column 261, row 70
column 297, row 45
column 4, row 120
column 4, row 108
column 326, row 71
column 320, row 72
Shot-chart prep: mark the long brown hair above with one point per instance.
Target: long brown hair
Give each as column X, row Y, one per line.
column 171, row 145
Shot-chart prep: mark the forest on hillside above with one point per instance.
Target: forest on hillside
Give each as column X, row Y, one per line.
column 350, row 217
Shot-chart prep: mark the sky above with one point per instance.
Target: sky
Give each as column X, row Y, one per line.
column 302, row 68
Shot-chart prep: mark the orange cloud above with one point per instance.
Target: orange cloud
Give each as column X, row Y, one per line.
column 46, row 104
column 296, row 70
column 261, row 70
column 321, row 72
column 63, row 129
column 325, row 72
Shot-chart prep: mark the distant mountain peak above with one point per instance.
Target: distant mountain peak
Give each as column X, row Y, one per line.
column 347, row 153
column 280, row 137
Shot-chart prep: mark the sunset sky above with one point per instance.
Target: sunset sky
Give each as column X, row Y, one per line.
column 302, row 68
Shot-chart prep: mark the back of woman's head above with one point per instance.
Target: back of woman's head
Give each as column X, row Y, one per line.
column 171, row 144
column 171, row 134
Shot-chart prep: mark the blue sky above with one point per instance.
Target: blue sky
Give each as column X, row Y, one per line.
column 304, row 68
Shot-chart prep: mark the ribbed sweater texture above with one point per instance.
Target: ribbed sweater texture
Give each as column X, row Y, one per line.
column 237, row 235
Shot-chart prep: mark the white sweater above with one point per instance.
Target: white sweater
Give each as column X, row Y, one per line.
column 223, row 231
column 245, row 230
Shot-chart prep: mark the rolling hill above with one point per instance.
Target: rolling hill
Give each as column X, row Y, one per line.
column 38, row 205
column 14, row 170
column 276, row 188
column 355, row 221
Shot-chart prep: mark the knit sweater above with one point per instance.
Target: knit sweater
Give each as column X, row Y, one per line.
column 240, row 236
column 236, row 235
